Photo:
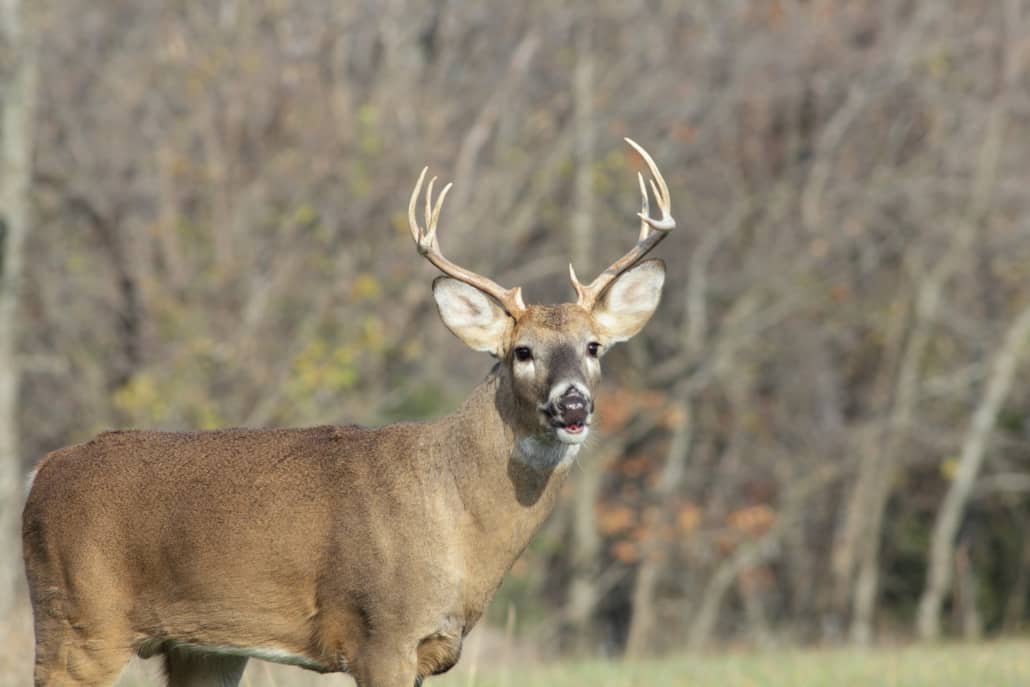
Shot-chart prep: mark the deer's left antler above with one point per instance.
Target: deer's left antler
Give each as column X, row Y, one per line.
column 652, row 231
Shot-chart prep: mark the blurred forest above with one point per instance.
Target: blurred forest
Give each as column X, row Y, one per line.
column 822, row 436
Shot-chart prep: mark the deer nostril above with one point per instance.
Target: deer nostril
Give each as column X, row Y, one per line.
column 575, row 403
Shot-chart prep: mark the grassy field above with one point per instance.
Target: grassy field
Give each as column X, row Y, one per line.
column 960, row 665
column 993, row 664
column 985, row 665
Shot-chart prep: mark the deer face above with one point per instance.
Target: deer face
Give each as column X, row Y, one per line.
column 553, row 352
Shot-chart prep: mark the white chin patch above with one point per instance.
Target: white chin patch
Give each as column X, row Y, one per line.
column 567, row 437
column 547, row 454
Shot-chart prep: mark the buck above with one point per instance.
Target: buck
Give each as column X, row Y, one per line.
column 337, row 549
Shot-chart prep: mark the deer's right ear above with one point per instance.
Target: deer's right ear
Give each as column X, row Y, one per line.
column 474, row 317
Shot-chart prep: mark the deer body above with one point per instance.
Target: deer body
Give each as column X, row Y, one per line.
column 371, row 551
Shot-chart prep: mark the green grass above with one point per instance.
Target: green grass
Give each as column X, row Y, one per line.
column 960, row 665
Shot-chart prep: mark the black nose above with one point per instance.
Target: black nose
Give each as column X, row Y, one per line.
column 573, row 407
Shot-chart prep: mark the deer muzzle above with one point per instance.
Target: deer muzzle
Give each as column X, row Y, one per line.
column 569, row 413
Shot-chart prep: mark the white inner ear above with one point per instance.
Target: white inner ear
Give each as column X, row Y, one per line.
column 627, row 306
column 472, row 315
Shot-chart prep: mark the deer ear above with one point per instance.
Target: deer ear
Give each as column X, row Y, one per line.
column 472, row 316
column 630, row 301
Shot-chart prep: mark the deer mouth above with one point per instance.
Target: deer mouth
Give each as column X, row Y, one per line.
column 568, row 428
column 573, row 427
column 570, row 431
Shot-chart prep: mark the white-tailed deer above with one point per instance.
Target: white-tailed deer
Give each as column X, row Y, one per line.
column 371, row 551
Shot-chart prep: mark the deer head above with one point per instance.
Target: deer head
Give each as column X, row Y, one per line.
column 551, row 353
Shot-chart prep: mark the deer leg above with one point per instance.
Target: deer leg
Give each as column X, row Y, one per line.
column 201, row 669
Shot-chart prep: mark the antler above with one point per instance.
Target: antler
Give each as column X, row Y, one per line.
column 429, row 247
column 652, row 231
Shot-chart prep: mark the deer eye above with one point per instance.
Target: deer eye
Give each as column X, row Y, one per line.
column 593, row 348
column 523, row 353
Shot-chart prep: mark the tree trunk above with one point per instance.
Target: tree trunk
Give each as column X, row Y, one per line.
column 19, row 96
column 966, row 591
column 974, row 448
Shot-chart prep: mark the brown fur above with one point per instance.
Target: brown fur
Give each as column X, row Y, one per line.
column 372, row 551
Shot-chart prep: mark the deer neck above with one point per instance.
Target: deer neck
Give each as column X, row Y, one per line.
column 507, row 479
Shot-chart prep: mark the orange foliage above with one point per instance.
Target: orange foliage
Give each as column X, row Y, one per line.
column 617, row 407
column 688, row 517
column 624, row 551
column 634, row 466
column 752, row 520
column 614, row 519
column 674, row 416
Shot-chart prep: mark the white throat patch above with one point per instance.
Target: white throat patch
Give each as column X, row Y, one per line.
column 545, row 455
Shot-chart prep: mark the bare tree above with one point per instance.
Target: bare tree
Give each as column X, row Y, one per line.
column 16, row 137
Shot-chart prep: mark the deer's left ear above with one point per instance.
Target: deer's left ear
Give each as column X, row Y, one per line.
column 630, row 301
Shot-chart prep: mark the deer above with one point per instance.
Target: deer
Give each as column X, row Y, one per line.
column 370, row 551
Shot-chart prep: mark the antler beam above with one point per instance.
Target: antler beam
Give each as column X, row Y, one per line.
column 652, row 231
column 429, row 247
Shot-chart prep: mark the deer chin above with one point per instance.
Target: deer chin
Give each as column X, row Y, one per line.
column 572, row 434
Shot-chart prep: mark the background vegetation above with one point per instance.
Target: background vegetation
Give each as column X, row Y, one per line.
column 823, row 436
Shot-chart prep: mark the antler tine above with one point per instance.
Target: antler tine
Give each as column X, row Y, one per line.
column 652, row 231
column 429, row 247
column 430, row 228
column 416, row 231
column 645, row 208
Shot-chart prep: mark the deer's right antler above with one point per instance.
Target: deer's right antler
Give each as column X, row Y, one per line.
column 429, row 247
